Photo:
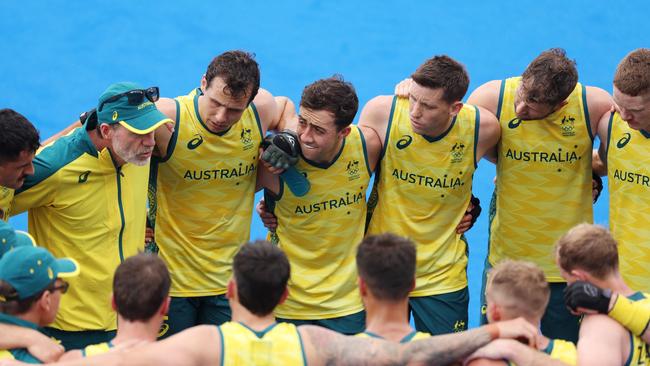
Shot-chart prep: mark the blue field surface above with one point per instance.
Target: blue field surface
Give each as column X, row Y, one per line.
column 56, row 57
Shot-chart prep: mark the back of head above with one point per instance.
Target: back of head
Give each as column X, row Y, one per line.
column 17, row 134
column 239, row 71
column 519, row 288
column 443, row 72
column 550, row 78
column 334, row 95
column 386, row 263
column 261, row 271
column 590, row 248
column 140, row 286
column 632, row 75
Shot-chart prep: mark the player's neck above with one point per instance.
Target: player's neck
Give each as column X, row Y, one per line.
column 615, row 283
column 255, row 322
column 438, row 129
column 387, row 319
column 144, row 331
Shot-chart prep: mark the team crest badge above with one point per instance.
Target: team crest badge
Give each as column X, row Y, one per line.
column 246, row 138
column 567, row 127
column 353, row 169
column 457, row 152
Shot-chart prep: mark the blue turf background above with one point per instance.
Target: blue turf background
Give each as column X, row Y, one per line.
column 56, row 57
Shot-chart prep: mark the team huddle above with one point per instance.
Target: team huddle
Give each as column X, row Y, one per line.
column 139, row 217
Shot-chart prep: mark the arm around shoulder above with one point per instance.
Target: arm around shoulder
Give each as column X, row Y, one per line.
column 489, row 134
column 486, row 96
column 376, row 114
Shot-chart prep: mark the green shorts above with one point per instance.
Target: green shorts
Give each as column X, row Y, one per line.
column 186, row 312
column 440, row 314
column 557, row 321
column 348, row 325
column 80, row 339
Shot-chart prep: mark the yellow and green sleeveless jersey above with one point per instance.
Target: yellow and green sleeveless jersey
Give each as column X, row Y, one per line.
column 81, row 206
column 97, row 349
column 205, row 187
column 422, row 191
column 413, row 336
column 279, row 344
column 628, row 169
column 320, row 231
column 543, row 183
column 6, row 195
column 19, row 354
column 638, row 348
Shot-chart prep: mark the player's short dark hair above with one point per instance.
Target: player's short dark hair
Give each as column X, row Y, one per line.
column 140, row 286
column 17, row 134
column 14, row 306
column 632, row 75
column 239, row 71
column 550, row 78
column 261, row 272
column 334, row 95
column 443, row 72
column 386, row 263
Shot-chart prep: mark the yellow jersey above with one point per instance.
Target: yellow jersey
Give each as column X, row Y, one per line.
column 6, row 195
column 561, row 350
column 628, row 169
column 413, row 336
column 319, row 233
column 279, row 344
column 96, row 349
column 638, row 348
column 83, row 207
column 204, row 189
column 543, row 186
column 422, row 191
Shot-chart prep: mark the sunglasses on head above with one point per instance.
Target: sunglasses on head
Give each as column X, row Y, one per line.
column 135, row 96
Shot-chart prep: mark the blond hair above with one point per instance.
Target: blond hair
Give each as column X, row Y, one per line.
column 590, row 248
column 519, row 287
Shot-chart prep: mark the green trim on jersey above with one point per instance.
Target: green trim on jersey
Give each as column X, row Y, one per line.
column 61, row 153
column 329, row 164
column 365, row 151
column 390, row 122
column 442, row 135
column 257, row 119
column 609, row 133
column 502, row 88
column 586, row 112
column 477, row 122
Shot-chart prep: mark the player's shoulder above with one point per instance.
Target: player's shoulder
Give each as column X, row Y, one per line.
column 487, row 95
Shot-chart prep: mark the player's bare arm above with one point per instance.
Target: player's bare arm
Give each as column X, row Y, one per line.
column 489, row 134
column 486, row 96
column 38, row 344
column 375, row 116
column 599, row 159
column 518, row 353
column 602, row 341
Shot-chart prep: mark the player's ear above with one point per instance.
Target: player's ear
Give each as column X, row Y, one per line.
column 456, row 107
column 113, row 305
column 412, row 285
column 580, row 275
column 345, row 132
column 231, row 291
column 363, row 288
column 204, row 83
column 164, row 308
column 284, row 296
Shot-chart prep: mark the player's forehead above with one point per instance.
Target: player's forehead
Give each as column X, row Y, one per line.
column 217, row 91
column 319, row 118
column 631, row 102
column 425, row 94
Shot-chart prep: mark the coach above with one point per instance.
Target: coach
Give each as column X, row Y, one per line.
column 87, row 200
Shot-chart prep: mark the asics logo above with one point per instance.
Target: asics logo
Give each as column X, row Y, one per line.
column 624, row 140
column 195, row 142
column 404, row 142
column 514, row 123
column 83, row 177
